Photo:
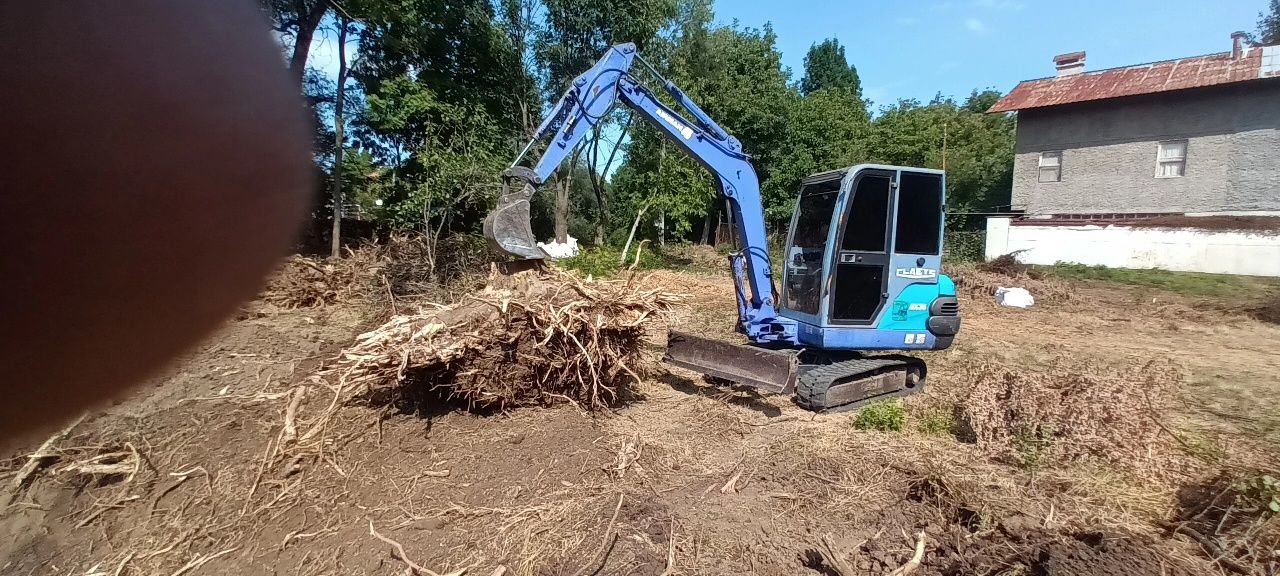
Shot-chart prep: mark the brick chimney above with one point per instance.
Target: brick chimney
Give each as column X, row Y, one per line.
column 1069, row 64
column 1237, row 44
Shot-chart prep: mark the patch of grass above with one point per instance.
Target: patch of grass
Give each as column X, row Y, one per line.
column 937, row 422
column 601, row 261
column 1032, row 443
column 1186, row 283
column 884, row 416
column 1201, row 445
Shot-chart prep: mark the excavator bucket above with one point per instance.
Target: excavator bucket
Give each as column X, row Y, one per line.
column 507, row 226
column 768, row 370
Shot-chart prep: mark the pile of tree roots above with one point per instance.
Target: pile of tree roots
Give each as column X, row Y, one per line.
column 535, row 337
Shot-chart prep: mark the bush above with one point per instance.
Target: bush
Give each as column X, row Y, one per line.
column 595, row 261
column 964, row 245
column 884, row 416
column 601, row 261
column 937, row 422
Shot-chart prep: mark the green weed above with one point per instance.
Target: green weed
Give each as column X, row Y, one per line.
column 602, row 261
column 936, row 422
column 1032, row 444
column 1261, row 491
column 884, row 416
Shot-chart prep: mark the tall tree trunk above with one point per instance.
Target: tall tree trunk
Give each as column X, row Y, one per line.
column 562, row 210
column 598, row 178
column 662, row 229
column 597, row 186
column 708, row 223
column 562, row 199
column 309, row 17
column 662, row 214
column 336, row 239
column 601, row 222
column 632, row 236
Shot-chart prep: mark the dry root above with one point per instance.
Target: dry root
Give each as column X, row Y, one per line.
column 1231, row 519
column 1069, row 413
column 536, row 337
column 981, row 281
column 35, row 462
column 400, row 266
column 303, row 282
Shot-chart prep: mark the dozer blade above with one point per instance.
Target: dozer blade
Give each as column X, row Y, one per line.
column 765, row 369
column 507, row 226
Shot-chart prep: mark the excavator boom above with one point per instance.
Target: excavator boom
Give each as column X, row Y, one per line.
column 587, row 102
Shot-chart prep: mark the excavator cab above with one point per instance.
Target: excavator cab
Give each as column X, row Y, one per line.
column 860, row 274
column 862, row 260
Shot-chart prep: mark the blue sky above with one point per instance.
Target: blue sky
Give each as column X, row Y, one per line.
column 915, row 49
column 911, row 49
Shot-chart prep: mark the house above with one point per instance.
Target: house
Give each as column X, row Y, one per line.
column 1113, row 166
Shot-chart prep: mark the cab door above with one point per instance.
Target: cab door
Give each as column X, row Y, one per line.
column 805, row 261
column 859, row 281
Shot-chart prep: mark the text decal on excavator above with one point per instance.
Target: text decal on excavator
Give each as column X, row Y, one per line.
column 916, row 273
column 685, row 131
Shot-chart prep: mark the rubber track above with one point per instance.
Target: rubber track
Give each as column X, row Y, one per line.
column 812, row 384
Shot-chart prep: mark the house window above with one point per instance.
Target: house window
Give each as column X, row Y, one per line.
column 1051, row 166
column 1171, row 159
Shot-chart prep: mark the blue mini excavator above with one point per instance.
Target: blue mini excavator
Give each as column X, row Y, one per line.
column 861, row 263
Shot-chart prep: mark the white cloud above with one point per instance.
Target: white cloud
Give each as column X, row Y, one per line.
column 975, row 25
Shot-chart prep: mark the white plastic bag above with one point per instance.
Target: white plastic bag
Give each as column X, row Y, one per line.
column 555, row 249
column 1015, row 297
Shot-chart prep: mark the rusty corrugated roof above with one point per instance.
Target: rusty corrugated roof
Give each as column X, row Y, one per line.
column 1194, row 72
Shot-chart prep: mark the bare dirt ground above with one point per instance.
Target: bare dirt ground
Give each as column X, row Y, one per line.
column 680, row 478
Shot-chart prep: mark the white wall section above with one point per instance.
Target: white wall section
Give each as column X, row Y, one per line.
column 1178, row 249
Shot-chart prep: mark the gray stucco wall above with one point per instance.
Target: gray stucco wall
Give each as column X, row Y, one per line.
column 1109, row 153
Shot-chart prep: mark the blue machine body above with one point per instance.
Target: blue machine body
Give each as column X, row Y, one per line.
column 897, row 291
column 900, row 285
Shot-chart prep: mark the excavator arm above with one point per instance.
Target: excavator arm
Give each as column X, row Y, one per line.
column 588, row 101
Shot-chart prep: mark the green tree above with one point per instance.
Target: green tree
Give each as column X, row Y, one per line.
column 736, row 76
column 296, row 21
column 455, row 48
column 443, row 84
column 975, row 148
column 1269, row 24
column 447, row 155
column 825, row 66
column 827, row 129
column 575, row 35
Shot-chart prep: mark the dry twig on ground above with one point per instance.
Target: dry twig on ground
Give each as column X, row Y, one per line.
column 602, row 554
column 914, row 562
column 833, row 558
column 399, row 554
column 36, row 460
